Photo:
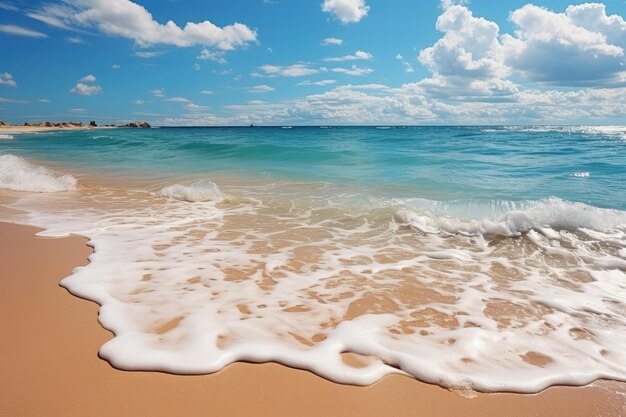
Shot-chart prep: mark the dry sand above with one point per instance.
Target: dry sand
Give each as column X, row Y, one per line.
column 8, row 129
column 49, row 365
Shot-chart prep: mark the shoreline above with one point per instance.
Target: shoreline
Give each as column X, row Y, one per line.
column 57, row 338
column 37, row 129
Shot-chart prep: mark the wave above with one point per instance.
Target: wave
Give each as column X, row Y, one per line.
column 505, row 218
column 202, row 190
column 6, row 137
column 18, row 174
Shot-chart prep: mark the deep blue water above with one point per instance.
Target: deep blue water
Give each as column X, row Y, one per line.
column 585, row 164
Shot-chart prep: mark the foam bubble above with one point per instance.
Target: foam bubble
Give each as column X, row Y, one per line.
column 582, row 174
column 5, row 137
column 20, row 175
column 202, row 190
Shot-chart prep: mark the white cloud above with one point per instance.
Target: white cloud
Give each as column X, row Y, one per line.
column 366, row 56
column 317, row 83
column 148, row 54
column 77, row 110
column 116, row 66
column 7, row 79
column 296, row 70
column 76, row 40
column 86, row 89
column 138, row 102
column 158, row 92
column 217, row 56
column 449, row 3
column 178, row 100
column 407, row 65
column 260, row 89
column 193, row 107
column 347, row 11
column 88, row 79
column 21, row 31
column 469, row 48
column 130, row 20
column 44, row 100
column 578, row 47
column 331, row 41
column 207, row 92
column 85, row 86
column 354, row 70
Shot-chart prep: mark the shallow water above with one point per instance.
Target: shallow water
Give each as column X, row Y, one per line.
column 490, row 258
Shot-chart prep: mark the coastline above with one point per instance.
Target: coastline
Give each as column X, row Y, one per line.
column 37, row 129
column 55, row 338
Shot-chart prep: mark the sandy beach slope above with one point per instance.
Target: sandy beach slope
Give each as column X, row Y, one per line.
column 50, row 367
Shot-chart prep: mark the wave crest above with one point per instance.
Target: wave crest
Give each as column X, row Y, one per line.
column 18, row 174
column 202, row 190
column 506, row 218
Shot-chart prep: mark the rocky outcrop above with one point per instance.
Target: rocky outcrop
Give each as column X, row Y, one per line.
column 93, row 124
column 139, row 124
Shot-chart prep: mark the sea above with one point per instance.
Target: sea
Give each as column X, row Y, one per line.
column 489, row 258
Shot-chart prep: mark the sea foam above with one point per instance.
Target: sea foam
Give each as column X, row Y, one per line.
column 5, row 137
column 505, row 218
column 202, row 190
column 20, row 175
column 190, row 288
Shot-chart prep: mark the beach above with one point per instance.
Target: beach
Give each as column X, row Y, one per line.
column 51, row 367
column 275, row 290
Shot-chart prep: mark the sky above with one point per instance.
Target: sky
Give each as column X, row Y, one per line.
column 313, row 62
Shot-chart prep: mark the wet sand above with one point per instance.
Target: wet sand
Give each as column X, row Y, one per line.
column 50, row 367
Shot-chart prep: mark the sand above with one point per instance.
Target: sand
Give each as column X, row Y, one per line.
column 8, row 129
column 49, row 365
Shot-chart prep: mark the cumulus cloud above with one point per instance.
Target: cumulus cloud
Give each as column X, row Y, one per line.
column 130, row 20
column 469, row 47
column 88, row 79
column 295, row 70
column 7, row 79
column 354, row 70
column 86, row 87
column 581, row 46
column 158, row 92
column 347, row 11
column 263, row 88
column 209, row 55
column 331, row 41
column 14, row 30
column 352, row 57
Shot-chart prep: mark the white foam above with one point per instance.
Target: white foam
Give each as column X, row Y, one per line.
column 506, row 218
column 581, row 174
column 241, row 279
column 19, row 175
column 5, row 136
column 202, row 190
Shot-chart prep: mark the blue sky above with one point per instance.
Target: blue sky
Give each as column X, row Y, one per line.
column 313, row 62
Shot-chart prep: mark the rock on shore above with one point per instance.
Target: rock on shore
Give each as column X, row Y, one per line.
column 139, row 124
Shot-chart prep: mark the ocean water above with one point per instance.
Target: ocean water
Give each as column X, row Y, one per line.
column 491, row 258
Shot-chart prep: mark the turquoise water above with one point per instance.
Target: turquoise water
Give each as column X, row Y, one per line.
column 583, row 164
